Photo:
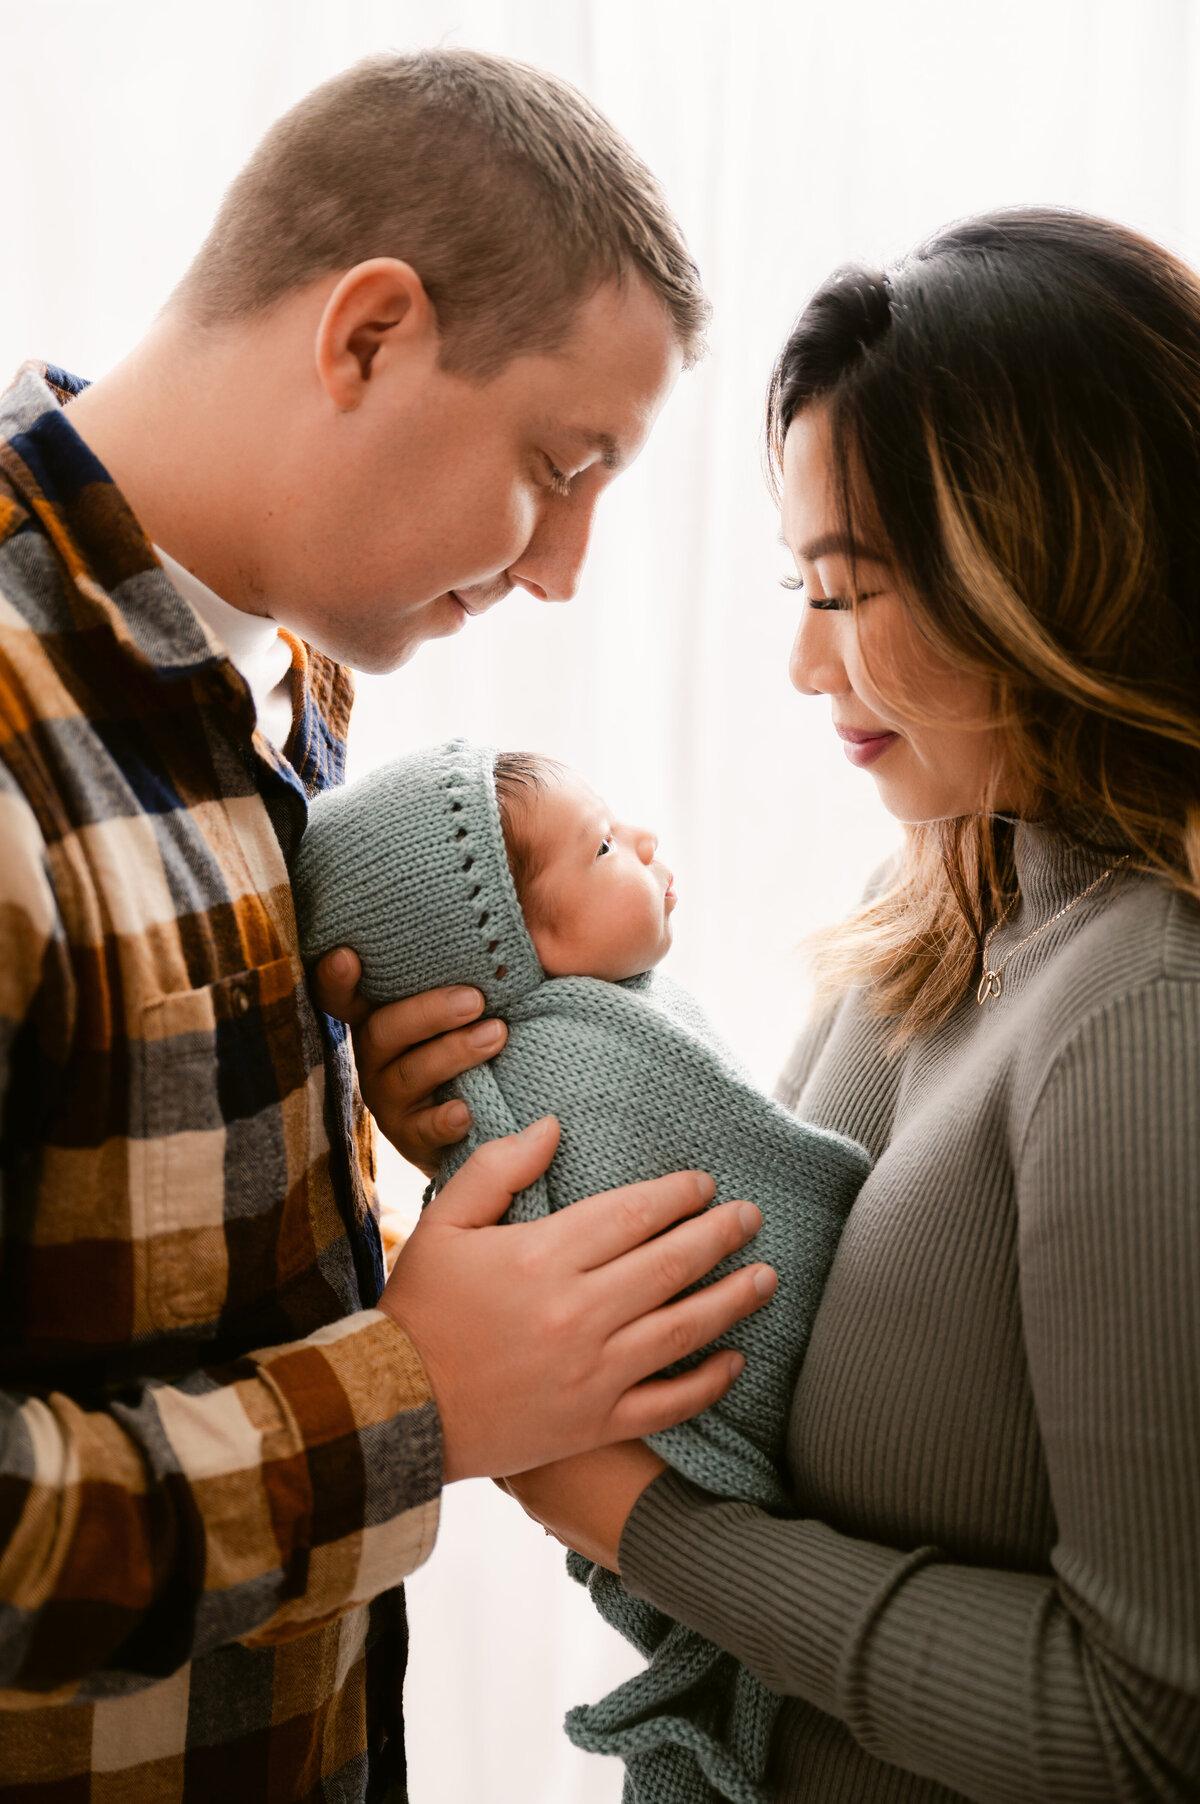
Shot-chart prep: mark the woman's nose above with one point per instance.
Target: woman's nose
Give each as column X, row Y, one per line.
column 815, row 665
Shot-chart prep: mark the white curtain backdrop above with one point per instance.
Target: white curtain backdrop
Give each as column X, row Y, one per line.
column 789, row 136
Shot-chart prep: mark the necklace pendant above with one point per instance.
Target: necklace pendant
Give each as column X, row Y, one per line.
column 990, row 986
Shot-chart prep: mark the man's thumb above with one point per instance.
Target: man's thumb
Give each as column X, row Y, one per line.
column 479, row 1194
column 334, row 985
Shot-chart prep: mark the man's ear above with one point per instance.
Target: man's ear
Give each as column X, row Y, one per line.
column 378, row 306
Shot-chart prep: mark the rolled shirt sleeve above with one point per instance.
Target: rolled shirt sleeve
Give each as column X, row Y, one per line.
column 254, row 1502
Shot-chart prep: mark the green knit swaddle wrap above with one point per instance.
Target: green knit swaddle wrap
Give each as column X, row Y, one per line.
column 408, row 868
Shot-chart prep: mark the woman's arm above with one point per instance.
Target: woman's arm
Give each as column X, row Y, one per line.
column 585, row 1501
column 1079, row 1684
column 803, row 1056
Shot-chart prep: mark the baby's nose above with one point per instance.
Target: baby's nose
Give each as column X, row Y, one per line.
column 647, row 844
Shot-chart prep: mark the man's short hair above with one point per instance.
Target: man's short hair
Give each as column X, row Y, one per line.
column 511, row 196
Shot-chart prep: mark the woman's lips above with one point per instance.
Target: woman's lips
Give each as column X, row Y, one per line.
column 864, row 744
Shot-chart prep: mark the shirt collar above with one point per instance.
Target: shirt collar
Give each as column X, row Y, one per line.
column 106, row 555
column 118, row 581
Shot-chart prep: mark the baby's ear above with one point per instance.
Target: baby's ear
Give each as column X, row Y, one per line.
column 553, row 949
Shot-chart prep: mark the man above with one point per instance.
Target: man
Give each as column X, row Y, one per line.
column 438, row 311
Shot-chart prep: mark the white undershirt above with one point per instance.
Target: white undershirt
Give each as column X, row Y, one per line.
column 253, row 644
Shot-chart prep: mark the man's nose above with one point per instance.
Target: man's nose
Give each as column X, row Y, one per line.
column 552, row 562
column 815, row 665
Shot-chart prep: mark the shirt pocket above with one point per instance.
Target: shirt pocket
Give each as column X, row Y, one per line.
column 216, row 1082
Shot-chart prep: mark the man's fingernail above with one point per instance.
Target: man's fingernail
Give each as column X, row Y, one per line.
column 488, row 1033
column 737, row 1364
column 458, row 1118
column 341, row 963
column 750, row 1218
column 465, row 1002
column 766, row 1281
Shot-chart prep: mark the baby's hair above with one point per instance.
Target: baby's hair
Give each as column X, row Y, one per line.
column 519, row 778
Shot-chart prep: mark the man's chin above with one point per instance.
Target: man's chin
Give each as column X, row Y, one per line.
column 379, row 656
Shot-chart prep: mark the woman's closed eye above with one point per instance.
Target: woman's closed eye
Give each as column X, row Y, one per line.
column 797, row 587
column 828, row 603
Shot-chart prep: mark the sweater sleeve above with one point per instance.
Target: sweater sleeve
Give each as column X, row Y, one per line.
column 818, row 1030
column 253, row 1501
column 803, row 1056
column 1078, row 1684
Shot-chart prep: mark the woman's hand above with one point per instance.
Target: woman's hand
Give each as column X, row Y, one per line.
column 404, row 1050
column 585, row 1501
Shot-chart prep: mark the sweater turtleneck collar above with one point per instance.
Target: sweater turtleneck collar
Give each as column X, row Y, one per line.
column 1056, row 863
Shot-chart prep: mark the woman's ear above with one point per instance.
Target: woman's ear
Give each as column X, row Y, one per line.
column 378, row 310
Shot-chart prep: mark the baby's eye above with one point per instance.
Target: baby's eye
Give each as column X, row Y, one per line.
column 606, row 846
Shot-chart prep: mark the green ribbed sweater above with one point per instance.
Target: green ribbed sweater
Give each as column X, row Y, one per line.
column 991, row 1588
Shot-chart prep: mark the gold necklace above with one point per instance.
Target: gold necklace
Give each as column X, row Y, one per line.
column 991, row 984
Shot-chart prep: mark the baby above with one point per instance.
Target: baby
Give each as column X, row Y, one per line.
column 596, row 900
column 458, row 865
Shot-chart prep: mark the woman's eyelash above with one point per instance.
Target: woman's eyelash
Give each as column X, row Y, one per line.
column 828, row 603
column 558, row 482
column 796, row 585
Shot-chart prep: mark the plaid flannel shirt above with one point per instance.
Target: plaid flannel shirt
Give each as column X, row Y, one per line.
column 214, row 1453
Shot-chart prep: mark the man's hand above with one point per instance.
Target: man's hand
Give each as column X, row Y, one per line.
column 405, row 1050
column 540, row 1338
column 585, row 1501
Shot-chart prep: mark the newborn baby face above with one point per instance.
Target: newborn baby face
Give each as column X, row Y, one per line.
column 601, row 902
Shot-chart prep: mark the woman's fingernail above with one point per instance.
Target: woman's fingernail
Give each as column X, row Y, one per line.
column 488, row 1033
column 458, row 1118
column 766, row 1282
column 737, row 1364
column 706, row 1187
column 534, row 1128
column 465, row 1002
column 750, row 1218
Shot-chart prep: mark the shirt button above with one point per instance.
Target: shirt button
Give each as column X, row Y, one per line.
column 241, row 1000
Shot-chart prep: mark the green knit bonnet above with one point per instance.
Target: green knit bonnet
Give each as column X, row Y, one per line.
column 407, row 866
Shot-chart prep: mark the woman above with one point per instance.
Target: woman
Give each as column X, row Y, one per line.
column 989, row 462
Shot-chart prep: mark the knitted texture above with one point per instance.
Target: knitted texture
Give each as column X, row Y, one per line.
column 407, row 866
column 642, row 1086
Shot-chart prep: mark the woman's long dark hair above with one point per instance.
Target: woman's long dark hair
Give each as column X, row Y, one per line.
column 1015, row 408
